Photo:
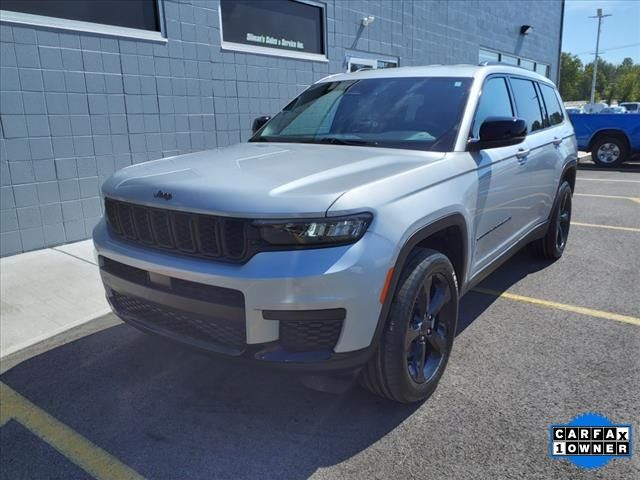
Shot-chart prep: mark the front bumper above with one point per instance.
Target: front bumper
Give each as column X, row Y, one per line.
column 259, row 309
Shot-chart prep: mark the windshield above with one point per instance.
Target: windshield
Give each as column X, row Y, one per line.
column 421, row 113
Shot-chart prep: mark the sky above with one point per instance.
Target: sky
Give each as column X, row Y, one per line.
column 619, row 36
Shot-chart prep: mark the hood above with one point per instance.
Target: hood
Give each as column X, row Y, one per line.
column 261, row 179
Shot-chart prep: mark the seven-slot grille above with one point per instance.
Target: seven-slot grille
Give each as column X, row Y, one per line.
column 186, row 233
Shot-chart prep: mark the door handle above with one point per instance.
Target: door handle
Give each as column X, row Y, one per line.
column 522, row 154
column 557, row 141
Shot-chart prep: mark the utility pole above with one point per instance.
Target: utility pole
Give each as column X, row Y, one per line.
column 599, row 16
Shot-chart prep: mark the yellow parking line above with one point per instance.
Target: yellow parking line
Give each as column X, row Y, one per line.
column 615, row 197
column 581, row 179
column 610, row 227
column 561, row 306
column 4, row 413
column 71, row 444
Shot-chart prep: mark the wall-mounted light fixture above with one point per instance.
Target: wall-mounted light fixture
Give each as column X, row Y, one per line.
column 366, row 21
column 525, row 29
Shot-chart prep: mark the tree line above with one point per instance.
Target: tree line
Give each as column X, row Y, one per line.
column 619, row 82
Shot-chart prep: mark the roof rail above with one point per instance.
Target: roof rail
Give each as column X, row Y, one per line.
column 502, row 64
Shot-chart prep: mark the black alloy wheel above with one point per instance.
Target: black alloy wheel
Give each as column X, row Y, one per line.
column 428, row 332
column 552, row 245
column 563, row 221
column 420, row 328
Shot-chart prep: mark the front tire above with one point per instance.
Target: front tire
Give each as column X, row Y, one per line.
column 552, row 245
column 419, row 331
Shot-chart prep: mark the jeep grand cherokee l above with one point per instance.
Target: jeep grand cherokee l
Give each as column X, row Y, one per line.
column 342, row 235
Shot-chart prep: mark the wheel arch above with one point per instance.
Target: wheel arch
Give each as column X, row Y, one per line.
column 448, row 235
column 569, row 174
column 611, row 132
column 431, row 235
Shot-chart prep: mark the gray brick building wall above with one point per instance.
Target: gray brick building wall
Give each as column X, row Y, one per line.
column 75, row 107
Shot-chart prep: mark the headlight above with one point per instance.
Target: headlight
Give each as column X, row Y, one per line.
column 318, row 231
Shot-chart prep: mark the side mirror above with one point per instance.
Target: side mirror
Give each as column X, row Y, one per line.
column 500, row 132
column 259, row 122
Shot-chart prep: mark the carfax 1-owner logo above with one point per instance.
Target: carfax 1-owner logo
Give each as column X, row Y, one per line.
column 590, row 441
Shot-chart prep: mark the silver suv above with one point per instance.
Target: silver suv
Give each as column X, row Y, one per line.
column 341, row 236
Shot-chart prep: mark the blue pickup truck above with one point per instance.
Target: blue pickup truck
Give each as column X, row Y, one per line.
column 611, row 138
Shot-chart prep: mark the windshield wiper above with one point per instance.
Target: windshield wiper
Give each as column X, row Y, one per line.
column 345, row 141
column 327, row 140
column 282, row 139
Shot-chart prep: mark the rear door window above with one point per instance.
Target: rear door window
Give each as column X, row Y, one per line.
column 553, row 105
column 494, row 102
column 527, row 103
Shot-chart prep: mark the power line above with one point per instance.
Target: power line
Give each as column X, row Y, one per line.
column 619, row 47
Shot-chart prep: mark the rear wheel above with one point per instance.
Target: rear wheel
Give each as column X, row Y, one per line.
column 552, row 245
column 609, row 151
column 419, row 332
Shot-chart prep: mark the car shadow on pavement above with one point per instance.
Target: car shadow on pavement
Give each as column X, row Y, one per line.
column 511, row 272
column 169, row 412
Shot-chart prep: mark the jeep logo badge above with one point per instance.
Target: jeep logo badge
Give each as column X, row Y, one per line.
column 161, row 194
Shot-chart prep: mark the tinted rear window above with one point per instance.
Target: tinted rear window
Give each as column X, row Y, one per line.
column 527, row 103
column 554, row 111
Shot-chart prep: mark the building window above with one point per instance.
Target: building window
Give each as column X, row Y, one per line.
column 528, row 64
column 138, row 14
column 488, row 56
column 386, row 64
column 485, row 55
column 285, row 28
column 355, row 64
column 508, row 59
column 542, row 69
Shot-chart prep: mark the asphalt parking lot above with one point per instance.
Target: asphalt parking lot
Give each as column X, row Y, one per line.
column 541, row 344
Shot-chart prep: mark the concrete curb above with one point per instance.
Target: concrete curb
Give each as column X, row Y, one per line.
column 69, row 333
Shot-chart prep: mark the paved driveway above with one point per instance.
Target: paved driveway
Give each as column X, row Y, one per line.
column 543, row 343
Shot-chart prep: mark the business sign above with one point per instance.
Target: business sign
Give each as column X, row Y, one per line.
column 288, row 27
